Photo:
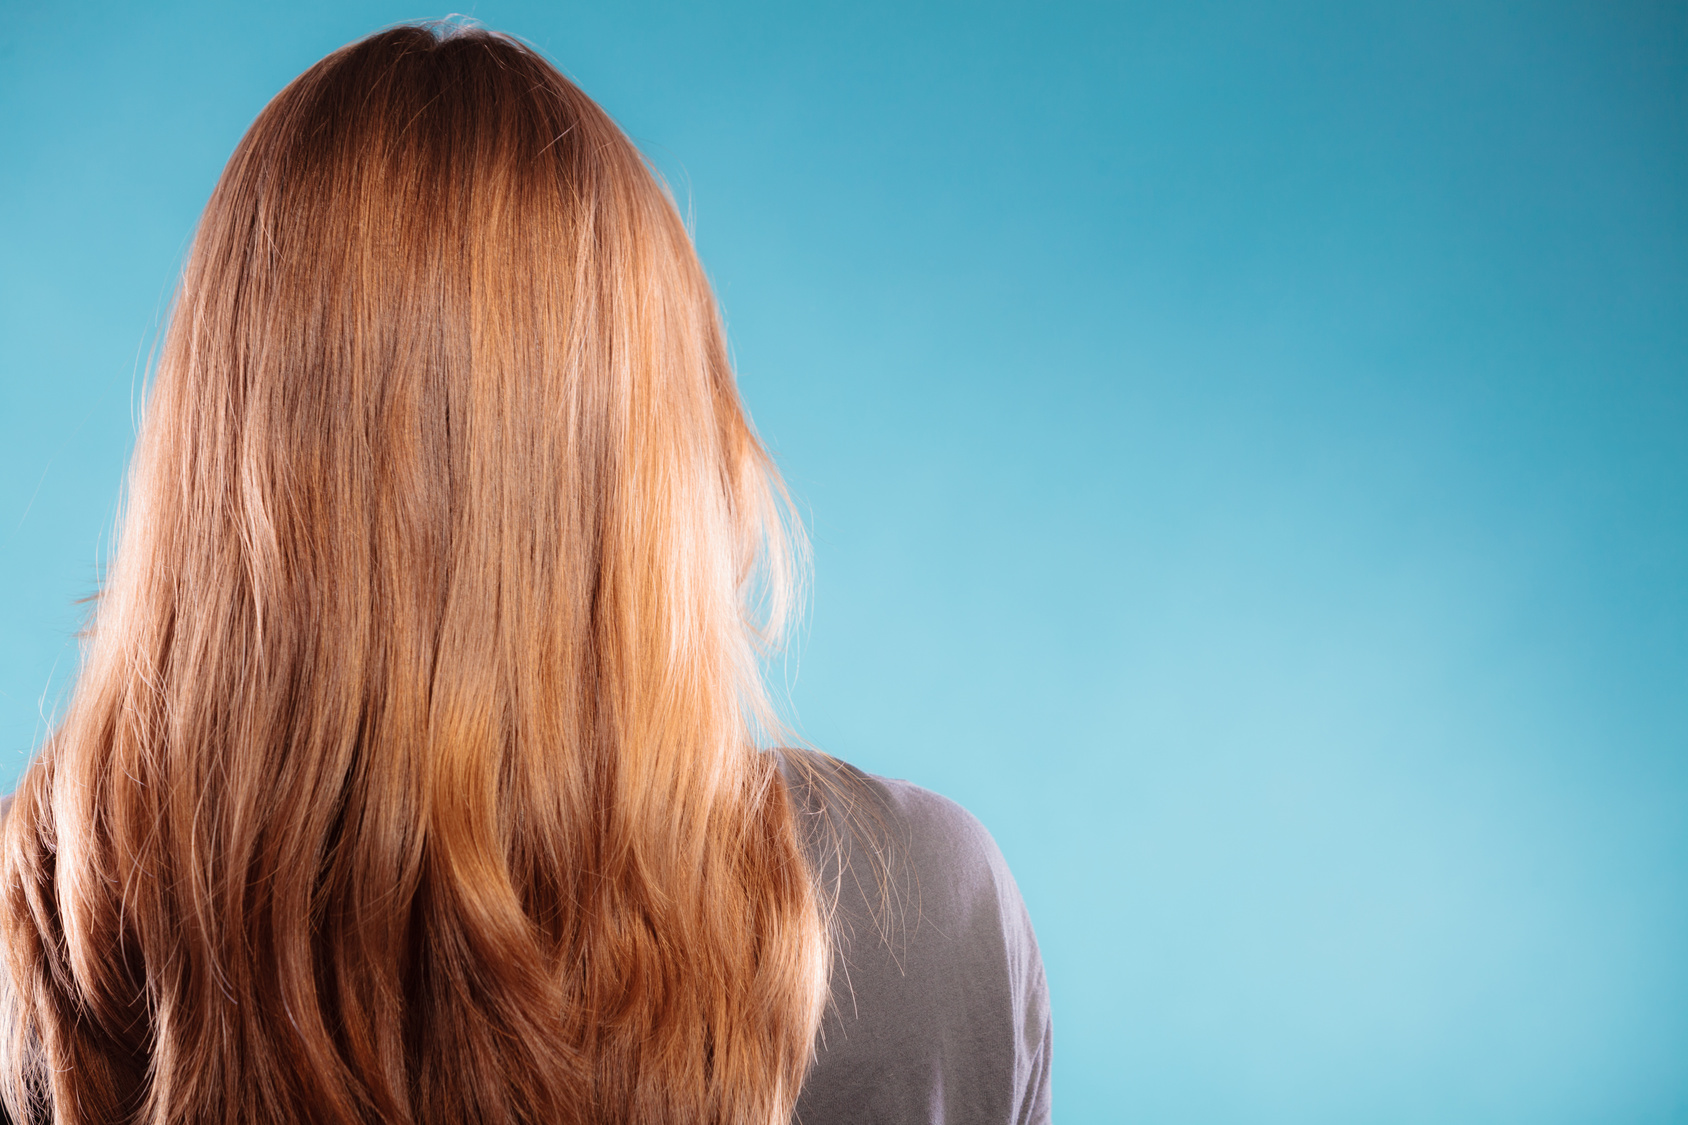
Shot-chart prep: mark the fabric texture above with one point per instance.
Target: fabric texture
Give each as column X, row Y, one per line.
column 940, row 1009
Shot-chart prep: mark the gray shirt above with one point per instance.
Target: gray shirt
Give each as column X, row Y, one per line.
column 939, row 1010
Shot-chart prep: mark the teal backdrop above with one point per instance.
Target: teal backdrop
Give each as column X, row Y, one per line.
column 1246, row 448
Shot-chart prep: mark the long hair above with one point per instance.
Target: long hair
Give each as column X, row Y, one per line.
column 410, row 775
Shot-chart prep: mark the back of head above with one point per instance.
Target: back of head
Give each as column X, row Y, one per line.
column 410, row 773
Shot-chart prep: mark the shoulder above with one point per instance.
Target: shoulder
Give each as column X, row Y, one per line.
column 899, row 812
column 938, row 987
column 921, row 842
column 898, row 847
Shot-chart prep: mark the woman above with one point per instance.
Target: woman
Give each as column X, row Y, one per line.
column 410, row 775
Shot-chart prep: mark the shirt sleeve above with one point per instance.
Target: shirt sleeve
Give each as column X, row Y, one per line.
column 940, row 1009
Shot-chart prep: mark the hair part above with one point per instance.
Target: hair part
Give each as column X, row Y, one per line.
column 410, row 773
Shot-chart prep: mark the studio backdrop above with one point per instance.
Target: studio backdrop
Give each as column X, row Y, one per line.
column 1246, row 453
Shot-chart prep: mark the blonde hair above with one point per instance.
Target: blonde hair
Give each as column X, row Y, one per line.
column 410, row 773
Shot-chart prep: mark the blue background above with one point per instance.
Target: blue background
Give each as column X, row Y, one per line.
column 1246, row 448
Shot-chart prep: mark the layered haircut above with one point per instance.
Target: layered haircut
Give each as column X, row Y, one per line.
column 410, row 775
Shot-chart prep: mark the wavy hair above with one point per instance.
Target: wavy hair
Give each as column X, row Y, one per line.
column 411, row 774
